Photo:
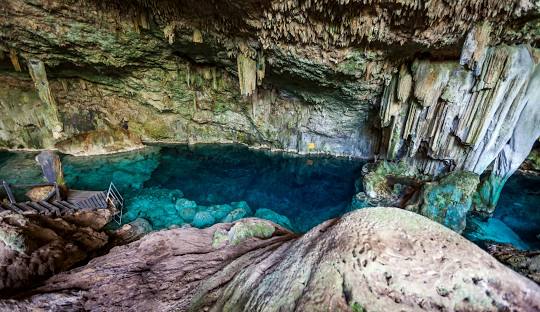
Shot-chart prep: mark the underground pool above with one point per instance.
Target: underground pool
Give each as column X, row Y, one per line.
column 175, row 185
column 205, row 184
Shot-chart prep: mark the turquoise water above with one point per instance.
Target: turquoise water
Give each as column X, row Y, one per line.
column 516, row 219
column 204, row 184
column 200, row 185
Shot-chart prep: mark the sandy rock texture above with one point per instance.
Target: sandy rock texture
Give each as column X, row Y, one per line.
column 374, row 259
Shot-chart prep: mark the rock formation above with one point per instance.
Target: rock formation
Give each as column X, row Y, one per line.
column 446, row 93
column 379, row 259
column 34, row 247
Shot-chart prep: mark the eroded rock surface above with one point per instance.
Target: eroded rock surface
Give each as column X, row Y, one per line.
column 381, row 259
column 34, row 247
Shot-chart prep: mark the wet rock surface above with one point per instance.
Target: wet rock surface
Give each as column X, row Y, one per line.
column 377, row 258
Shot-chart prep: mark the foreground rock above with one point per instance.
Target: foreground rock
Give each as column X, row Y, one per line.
column 33, row 247
column 379, row 259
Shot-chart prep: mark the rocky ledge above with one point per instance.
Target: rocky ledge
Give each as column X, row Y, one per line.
column 386, row 259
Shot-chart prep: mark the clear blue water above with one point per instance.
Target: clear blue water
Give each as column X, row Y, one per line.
column 170, row 185
column 516, row 219
column 161, row 183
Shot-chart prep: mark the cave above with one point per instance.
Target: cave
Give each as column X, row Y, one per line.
column 269, row 155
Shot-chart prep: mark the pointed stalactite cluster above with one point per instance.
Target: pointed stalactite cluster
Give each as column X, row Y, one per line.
column 456, row 116
column 39, row 76
column 336, row 23
column 251, row 69
column 341, row 23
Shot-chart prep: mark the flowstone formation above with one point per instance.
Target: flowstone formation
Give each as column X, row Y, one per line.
column 376, row 259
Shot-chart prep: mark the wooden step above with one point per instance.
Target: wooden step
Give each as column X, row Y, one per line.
column 41, row 209
column 27, row 208
column 54, row 210
column 61, row 205
column 69, row 205
column 15, row 208
column 51, row 207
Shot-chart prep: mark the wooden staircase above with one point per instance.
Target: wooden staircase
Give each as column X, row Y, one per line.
column 54, row 208
column 77, row 201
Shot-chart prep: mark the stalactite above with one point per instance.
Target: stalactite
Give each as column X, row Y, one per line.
column 247, row 74
column 169, row 33
column 39, row 76
column 459, row 117
column 261, row 67
column 14, row 59
column 197, row 36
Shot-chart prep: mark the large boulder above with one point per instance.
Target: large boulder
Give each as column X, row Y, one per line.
column 375, row 259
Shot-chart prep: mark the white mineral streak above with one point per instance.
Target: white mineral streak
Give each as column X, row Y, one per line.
column 471, row 116
column 39, row 76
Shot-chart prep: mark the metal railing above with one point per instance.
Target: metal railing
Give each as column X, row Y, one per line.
column 115, row 199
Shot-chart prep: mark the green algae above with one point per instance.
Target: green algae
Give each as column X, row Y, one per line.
column 376, row 181
column 219, row 239
column 356, row 307
column 244, row 230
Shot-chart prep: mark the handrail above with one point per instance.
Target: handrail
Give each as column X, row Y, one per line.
column 8, row 192
column 31, row 185
column 117, row 201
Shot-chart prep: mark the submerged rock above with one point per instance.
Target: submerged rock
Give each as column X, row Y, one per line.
column 374, row 259
column 235, row 215
column 243, row 206
column 267, row 214
column 449, row 199
column 220, row 211
column 203, row 219
column 187, row 213
column 492, row 230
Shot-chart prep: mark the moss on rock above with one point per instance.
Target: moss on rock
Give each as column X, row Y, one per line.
column 244, row 230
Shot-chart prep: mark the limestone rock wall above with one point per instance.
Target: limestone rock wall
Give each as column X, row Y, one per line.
column 305, row 76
